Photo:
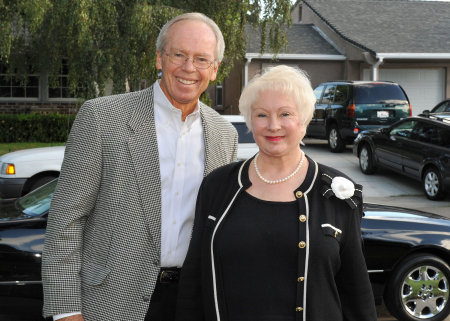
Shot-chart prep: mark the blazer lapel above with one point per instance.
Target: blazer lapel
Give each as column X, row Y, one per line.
column 143, row 146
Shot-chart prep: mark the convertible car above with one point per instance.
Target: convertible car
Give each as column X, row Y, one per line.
column 407, row 254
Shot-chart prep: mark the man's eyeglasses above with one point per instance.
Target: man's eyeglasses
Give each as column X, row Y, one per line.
column 179, row 58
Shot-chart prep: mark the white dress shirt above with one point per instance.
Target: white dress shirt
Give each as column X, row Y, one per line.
column 182, row 163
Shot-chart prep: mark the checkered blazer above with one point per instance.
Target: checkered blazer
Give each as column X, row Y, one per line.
column 103, row 241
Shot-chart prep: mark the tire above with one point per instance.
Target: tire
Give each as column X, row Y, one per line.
column 38, row 182
column 366, row 160
column 419, row 289
column 335, row 140
column 432, row 184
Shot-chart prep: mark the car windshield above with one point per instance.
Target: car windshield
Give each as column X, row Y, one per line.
column 244, row 135
column 379, row 94
column 38, row 201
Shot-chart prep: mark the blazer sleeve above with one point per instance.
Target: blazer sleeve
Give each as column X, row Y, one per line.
column 355, row 290
column 190, row 293
column 73, row 201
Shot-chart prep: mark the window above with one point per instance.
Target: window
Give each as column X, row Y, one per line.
column 432, row 134
column 328, row 95
column 318, row 93
column 341, row 95
column 13, row 87
column 403, row 129
column 61, row 89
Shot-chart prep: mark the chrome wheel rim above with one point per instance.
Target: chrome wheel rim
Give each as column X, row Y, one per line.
column 333, row 138
column 364, row 158
column 431, row 183
column 425, row 292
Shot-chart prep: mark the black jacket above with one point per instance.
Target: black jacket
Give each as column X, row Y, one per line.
column 335, row 286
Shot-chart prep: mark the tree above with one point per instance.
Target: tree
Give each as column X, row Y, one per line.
column 115, row 39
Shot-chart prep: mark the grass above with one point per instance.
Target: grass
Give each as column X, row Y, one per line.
column 11, row 147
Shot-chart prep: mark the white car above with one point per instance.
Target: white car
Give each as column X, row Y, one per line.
column 247, row 147
column 25, row 170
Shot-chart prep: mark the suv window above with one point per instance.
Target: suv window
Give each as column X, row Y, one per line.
column 318, row 93
column 341, row 94
column 328, row 95
column 378, row 93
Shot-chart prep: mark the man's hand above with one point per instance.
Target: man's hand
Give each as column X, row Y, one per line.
column 76, row 317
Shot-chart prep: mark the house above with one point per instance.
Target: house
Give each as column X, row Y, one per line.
column 405, row 41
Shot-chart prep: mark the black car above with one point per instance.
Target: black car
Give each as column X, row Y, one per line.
column 417, row 147
column 442, row 107
column 407, row 254
column 345, row 108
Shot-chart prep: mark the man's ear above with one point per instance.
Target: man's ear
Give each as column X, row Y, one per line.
column 214, row 71
column 158, row 60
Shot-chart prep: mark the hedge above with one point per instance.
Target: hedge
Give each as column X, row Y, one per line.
column 45, row 128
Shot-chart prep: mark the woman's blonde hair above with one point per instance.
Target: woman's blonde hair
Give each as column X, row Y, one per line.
column 291, row 81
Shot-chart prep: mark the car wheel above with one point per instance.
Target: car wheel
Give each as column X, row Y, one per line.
column 38, row 182
column 432, row 184
column 335, row 140
column 366, row 161
column 419, row 289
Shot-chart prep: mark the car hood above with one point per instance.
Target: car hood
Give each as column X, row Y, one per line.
column 54, row 152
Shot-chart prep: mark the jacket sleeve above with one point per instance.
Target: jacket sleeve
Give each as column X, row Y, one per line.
column 352, row 281
column 73, row 201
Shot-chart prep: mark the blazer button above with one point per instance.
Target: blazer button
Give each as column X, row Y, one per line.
column 302, row 244
column 298, row 309
column 301, row 279
column 302, row 218
column 298, row 194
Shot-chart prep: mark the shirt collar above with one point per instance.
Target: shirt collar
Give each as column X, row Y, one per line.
column 166, row 107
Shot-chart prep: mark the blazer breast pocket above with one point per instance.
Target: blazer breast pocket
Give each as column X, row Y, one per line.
column 332, row 231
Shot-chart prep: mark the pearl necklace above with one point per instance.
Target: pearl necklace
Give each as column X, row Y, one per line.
column 281, row 180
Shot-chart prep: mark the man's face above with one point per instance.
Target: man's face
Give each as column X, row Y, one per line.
column 183, row 84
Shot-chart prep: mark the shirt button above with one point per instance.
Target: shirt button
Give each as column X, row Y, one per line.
column 302, row 244
column 302, row 218
column 146, row 298
column 301, row 279
column 298, row 194
column 298, row 309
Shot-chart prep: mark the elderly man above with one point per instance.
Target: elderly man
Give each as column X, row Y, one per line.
column 122, row 214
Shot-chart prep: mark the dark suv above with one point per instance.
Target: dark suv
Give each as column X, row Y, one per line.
column 345, row 108
column 418, row 147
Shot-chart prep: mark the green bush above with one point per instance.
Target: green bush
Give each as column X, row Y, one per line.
column 43, row 128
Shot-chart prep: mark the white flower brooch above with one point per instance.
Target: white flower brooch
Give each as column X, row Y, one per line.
column 342, row 188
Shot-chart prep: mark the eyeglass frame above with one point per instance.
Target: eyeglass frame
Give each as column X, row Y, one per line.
column 186, row 59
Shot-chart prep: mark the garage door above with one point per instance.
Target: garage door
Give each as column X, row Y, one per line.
column 424, row 87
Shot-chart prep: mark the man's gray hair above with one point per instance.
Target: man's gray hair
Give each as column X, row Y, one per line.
column 220, row 43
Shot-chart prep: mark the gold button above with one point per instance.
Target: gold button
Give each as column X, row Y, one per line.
column 302, row 244
column 298, row 194
column 298, row 309
column 302, row 218
column 301, row 279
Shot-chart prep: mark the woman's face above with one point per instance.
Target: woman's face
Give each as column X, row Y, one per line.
column 277, row 124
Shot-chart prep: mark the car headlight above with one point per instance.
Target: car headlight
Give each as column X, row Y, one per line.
column 8, row 169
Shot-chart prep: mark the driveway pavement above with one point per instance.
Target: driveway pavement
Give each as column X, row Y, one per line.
column 383, row 187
